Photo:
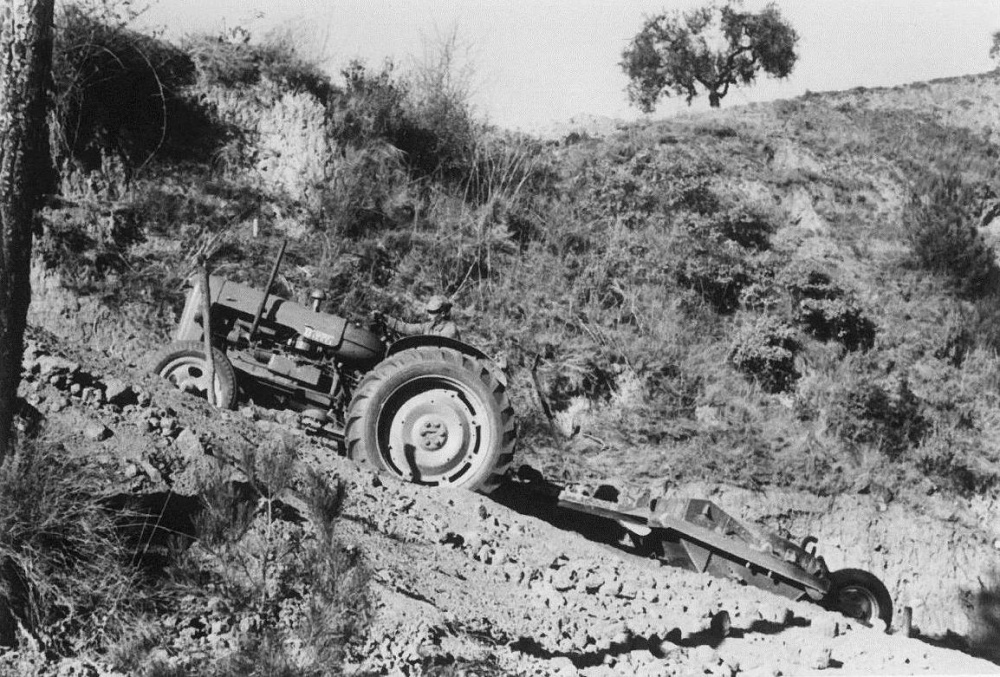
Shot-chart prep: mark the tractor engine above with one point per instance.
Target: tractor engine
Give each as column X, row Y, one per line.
column 297, row 357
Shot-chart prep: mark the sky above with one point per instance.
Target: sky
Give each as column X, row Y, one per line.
column 533, row 63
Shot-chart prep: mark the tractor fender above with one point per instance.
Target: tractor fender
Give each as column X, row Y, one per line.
column 422, row 340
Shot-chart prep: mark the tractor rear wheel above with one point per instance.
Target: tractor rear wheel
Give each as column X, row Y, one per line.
column 434, row 416
column 183, row 363
column 859, row 595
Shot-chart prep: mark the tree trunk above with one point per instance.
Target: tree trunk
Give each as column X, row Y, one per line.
column 714, row 100
column 25, row 65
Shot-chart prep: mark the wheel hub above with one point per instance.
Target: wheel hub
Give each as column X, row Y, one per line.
column 857, row 604
column 189, row 375
column 432, row 434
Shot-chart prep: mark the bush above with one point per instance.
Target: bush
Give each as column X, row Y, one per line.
column 431, row 128
column 288, row 600
column 121, row 94
column 765, row 350
column 371, row 105
column 827, row 311
column 719, row 274
column 745, row 225
column 955, row 458
column 233, row 61
column 640, row 188
column 439, row 105
column 942, row 227
column 864, row 412
column 88, row 243
column 722, row 254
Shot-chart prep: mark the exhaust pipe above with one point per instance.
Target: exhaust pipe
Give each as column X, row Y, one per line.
column 267, row 289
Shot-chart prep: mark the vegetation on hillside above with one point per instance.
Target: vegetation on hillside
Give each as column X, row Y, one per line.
column 760, row 297
column 113, row 578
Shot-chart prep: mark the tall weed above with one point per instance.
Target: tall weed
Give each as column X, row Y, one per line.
column 985, row 617
column 64, row 568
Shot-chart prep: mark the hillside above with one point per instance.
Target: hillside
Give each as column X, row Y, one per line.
column 454, row 582
column 789, row 308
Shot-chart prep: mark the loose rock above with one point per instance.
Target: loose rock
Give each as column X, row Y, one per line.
column 96, row 432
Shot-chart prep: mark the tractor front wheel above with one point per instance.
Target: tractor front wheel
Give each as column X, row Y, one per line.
column 433, row 416
column 183, row 363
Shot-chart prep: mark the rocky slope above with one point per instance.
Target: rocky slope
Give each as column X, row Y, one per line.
column 505, row 585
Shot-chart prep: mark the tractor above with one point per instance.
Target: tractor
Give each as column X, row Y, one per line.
column 427, row 409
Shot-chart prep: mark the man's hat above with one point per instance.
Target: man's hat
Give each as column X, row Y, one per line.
column 438, row 304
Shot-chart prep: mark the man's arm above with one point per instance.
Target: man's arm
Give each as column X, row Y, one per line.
column 408, row 328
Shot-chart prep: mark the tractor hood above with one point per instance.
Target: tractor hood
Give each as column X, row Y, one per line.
column 352, row 344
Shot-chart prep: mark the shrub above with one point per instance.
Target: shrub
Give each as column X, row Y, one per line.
column 370, row 105
column 297, row 597
column 719, row 274
column 690, row 189
column 88, row 243
column 424, row 118
column 864, row 412
column 120, row 93
column 725, row 274
column 745, row 225
column 955, row 458
column 723, row 253
column 625, row 190
column 765, row 350
column 356, row 202
column 827, row 311
column 439, row 104
column 231, row 60
column 944, row 237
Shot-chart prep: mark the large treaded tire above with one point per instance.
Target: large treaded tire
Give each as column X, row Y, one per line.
column 860, row 595
column 433, row 416
column 183, row 364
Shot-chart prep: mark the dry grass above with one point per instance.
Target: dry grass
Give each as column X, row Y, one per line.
column 66, row 572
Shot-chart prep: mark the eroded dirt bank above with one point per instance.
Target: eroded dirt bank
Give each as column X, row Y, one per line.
column 934, row 553
column 488, row 581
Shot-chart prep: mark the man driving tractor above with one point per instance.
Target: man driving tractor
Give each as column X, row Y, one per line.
column 438, row 323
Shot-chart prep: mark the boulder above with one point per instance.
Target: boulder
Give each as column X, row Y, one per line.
column 118, row 392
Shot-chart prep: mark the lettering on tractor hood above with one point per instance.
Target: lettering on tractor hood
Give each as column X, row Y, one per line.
column 320, row 337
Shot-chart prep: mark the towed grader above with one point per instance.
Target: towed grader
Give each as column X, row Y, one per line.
column 435, row 411
column 697, row 535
